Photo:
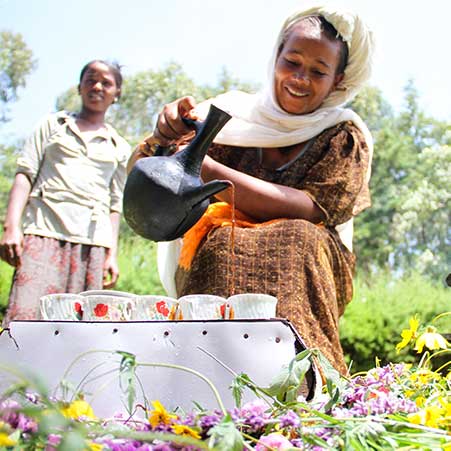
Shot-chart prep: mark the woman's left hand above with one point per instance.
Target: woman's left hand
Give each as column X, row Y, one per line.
column 110, row 271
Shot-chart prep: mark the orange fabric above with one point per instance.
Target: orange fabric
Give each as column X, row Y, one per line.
column 218, row 214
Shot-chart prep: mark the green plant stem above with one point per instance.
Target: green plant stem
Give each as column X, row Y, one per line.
column 196, row 373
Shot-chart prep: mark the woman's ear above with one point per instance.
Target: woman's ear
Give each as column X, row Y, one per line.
column 337, row 81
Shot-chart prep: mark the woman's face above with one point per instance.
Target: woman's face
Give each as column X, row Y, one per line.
column 98, row 88
column 305, row 70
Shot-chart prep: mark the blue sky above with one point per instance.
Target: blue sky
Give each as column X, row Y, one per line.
column 205, row 35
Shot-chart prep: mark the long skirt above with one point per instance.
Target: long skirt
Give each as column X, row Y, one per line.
column 52, row 266
column 305, row 266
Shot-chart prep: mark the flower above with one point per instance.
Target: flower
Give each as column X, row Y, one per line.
column 5, row 440
column 78, row 408
column 182, row 429
column 160, row 415
column 431, row 339
column 101, row 310
column 273, row 441
column 78, row 310
column 408, row 334
column 162, row 308
column 429, row 416
column 289, row 419
column 95, row 447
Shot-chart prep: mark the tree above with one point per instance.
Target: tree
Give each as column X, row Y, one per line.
column 16, row 63
column 407, row 226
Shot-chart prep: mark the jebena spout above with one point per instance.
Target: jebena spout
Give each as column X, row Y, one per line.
column 199, row 194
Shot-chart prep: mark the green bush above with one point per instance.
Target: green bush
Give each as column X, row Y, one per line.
column 6, row 274
column 380, row 310
column 138, row 267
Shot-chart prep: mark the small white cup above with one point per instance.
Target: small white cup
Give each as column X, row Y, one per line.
column 252, row 305
column 62, row 307
column 203, row 306
column 108, row 308
column 154, row 308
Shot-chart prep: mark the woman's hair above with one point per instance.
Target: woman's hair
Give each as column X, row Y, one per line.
column 114, row 67
column 329, row 31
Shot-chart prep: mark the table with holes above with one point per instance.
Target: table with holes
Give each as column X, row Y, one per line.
column 83, row 353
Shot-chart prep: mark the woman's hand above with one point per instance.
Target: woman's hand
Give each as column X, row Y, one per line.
column 110, row 270
column 170, row 128
column 11, row 243
column 11, row 246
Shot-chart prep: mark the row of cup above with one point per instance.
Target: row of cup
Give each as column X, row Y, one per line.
column 127, row 307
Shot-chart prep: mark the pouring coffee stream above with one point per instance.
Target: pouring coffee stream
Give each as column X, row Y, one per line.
column 164, row 195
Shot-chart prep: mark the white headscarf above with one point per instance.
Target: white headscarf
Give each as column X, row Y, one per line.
column 259, row 121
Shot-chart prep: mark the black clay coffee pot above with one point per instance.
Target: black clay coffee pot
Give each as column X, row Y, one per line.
column 164, row 196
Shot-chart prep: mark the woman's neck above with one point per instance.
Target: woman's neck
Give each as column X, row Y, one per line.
column 89, row 120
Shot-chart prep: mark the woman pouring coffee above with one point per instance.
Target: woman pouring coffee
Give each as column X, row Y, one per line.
column 300, row 166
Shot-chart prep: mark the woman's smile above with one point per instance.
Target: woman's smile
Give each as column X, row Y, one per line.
column 296, row 93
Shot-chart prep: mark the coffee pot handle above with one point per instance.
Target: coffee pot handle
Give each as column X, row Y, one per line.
column 165, row 151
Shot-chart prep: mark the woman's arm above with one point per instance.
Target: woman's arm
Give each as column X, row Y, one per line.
column 110, row 266
column 261, row 199
column 11, row 243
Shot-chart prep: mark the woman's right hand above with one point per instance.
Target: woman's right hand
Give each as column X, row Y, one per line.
column 170, row 128
column 11, row 246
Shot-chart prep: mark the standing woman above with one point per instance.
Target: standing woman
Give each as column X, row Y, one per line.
column 62, row 221
column 300, row 164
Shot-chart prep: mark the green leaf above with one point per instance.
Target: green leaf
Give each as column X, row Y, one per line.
column 285, row 386
column 127, row 370
column 238, row 385
column 73, row 441
column 225, row 436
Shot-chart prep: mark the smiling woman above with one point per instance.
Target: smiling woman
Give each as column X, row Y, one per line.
column 68, row 188
column 300, row 166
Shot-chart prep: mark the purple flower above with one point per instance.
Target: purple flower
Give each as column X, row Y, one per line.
column 273, row 441
column 9, row 413
column 257, row 407
column 209, row 421
column 289, row 419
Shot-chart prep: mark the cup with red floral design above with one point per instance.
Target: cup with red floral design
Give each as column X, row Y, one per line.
column 108, row 308
column 154, row 308
column 203, row 306
column 61, row 307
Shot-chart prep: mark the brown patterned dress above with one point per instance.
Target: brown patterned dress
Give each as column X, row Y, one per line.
column 304, row 265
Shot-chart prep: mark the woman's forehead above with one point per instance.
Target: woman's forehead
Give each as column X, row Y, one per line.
column 98, row 68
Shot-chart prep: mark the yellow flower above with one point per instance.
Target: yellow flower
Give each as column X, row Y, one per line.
column 423, row 376
column 181, row 429
column 431, row 339
column 420, row 401
column 160, row 415
column 77, row 409
column 429, row 416
column 5, row 440
column 408, row 334
column 95, row 447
